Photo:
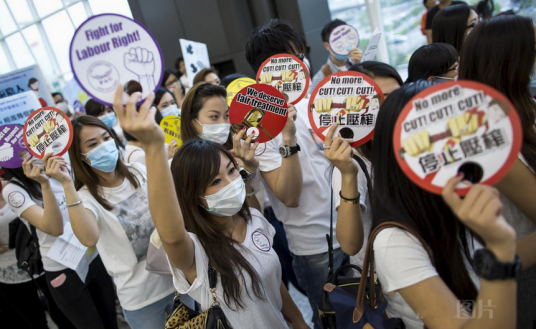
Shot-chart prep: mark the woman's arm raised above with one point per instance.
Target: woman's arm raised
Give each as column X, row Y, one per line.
column 163, row 203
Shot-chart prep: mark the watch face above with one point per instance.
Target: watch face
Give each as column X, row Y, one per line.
column 243, row 173
column 282, row 150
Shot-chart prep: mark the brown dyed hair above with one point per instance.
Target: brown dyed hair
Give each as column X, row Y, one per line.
column 194, row 167
column 191, row 105
column 200, row 76
column 84, row 175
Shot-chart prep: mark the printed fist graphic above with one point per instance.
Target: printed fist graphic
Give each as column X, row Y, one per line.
column 141, row 62
column 417, row 143
column 49, row 126
column 33, row 140
column 354, row 103
column 323, row 104
column 266, row 78
column 6, row 152
column 463, row 125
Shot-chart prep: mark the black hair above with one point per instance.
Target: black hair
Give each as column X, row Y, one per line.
column 450, row 26
column 32, row 80
column 157, row 117
column 485, row 8
column 225, row 81
column 276, row 37
column 178, row 62
column 329, row 27
column 431, row 60
column 167, row 73
column 16, row 176
column 94, row 108
column 397, row 198
column 160, row 92
column 375, row 69
column 57, row 94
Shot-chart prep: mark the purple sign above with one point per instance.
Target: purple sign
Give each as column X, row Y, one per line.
column 110, row 49
column 12, row 148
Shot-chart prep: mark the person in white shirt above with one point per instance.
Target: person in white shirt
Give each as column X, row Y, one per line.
column 39, row 200
column 298, row 182
column 201, row 215
column 109, row 210
column 436, row 291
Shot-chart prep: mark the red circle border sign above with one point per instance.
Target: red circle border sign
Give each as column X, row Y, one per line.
column 426, row 183
column 319, row 131
column 262, row 119
column 304, row 68
column 48, row 108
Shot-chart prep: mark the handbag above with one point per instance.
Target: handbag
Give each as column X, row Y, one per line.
column 339, row 295
column 184, row 317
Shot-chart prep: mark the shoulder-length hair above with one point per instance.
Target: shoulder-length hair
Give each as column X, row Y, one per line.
column 193, row 103
column 450, row 26
column 84, row 175
column 500, row 52
column 397, row 198
column 194, row 167
column 431, row 60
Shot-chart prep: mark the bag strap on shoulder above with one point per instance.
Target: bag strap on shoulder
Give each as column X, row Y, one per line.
column 369, row 262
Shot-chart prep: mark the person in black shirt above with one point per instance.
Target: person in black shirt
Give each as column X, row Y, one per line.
column 433, row 11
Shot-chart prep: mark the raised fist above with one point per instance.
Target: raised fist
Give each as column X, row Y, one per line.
column 323, row 104
column 33, row 140
column 354, row 103
column 140, row 61
column 266, row 78
column 417, row 143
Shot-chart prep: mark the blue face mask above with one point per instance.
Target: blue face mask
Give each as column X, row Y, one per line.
column 341, row 57
column 108, row 119
column 104, row 157
column 170, row 110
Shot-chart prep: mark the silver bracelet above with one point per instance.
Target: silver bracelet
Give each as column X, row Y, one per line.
column 74, row 204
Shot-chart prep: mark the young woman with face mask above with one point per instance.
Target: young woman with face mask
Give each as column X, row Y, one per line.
column 508, row 42
column 110, row 211
column 200, row 211
column 107, row 115
column 37, row 198
column 437, row 61
column 205, row 115
column 164, row 100
column 428, row 291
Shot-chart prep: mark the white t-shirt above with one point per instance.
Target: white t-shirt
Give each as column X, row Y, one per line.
column 124, row 234
column 134, row 154
column 307, row 225
column 364, row 201
column 401, row 261
column 259, row 252
column 514, row 216
column 19, row 200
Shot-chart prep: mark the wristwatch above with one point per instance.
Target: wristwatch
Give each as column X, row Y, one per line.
column 487, row 266
column 287, row 151
column 246, row 175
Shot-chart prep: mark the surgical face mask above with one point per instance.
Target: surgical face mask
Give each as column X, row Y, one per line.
column 104, row 157
column 62, row 106
column 229, row 200
column 341, row 57
column 445, row 78
column 170, row 110
column 217, row 133
column 108, row 119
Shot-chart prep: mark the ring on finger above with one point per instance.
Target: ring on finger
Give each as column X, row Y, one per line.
column 327, row 147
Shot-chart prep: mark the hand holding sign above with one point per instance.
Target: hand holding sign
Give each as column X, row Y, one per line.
column 457, row 127
column 34, row 171
column 339, row 152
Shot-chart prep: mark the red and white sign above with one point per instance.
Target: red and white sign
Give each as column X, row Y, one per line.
column 350, row 99
column 261, row 109
column 453, row 127
column 48, row 130
column 286, row 73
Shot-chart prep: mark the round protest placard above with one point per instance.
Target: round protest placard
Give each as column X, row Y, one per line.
column 235, row 86
column 171, row 125
column 47, row 130
column 261, row 109
column 288, row 74
column 12, row 148
column 351, row 100
column 109, row 49
column 457, row 127
column 342, row 39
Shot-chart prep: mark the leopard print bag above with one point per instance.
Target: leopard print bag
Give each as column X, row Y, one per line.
column 184, row 317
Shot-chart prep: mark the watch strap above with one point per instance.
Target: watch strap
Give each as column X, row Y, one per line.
column 492, row 269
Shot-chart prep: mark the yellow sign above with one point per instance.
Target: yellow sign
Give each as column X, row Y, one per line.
column 235, row 86
column 171, row 125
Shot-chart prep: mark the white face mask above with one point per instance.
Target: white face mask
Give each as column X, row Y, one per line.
column 229, row 200
column 170, row 110
column 62, row 106
column 217, row 133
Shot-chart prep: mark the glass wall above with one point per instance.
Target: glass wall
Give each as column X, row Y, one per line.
column 40, row 32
